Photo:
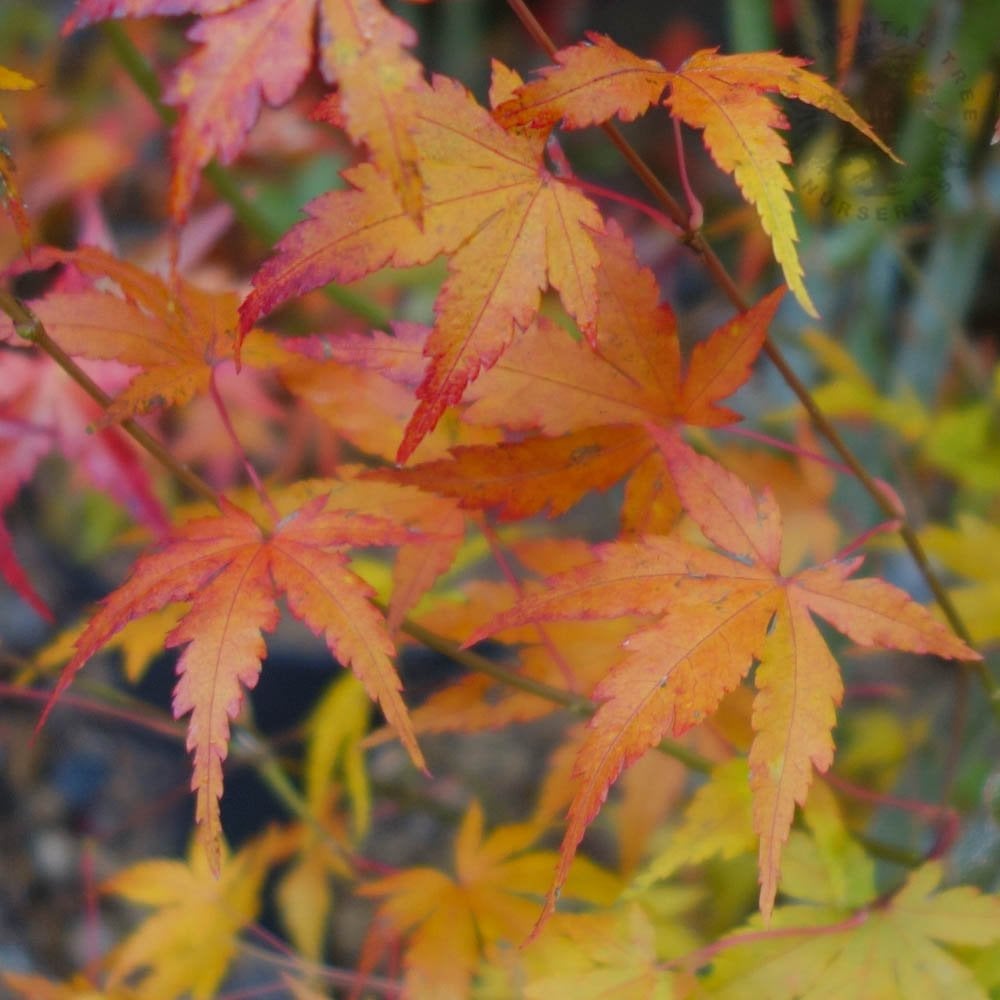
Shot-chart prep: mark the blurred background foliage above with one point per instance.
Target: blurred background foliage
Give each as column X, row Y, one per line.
column 902, row 262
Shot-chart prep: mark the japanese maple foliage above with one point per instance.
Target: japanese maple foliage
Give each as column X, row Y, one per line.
column 720, row 612
column 508, row 428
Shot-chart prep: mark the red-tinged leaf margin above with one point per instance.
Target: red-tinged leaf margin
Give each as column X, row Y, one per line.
column 590, row 84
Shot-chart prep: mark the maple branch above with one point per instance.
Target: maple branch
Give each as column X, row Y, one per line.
column 944, row 818
column 663, row 221
column 575, row 703
column 480, row 664
column 812, row 456
column 338, row 977
column 30, row 328
column 145, row 720
column 228, row 188
column 697, row 241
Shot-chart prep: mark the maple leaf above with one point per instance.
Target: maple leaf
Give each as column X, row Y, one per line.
column 334, row 732
column 176, row 333
column 717, row 821
column 436, row 527
column 488, row 902
column 599, row 403
column 185, row 947
column 342, row 381
column 510, row 226
column 720, row 612
column 965, row 550
column 724, row 96
column 14, row 574
column 232, row 573
column 802, row 488
column 900, row 950
column 850, row 393
column 42, row 410
column 589, row 84
column 254, row 51
column 597, row 956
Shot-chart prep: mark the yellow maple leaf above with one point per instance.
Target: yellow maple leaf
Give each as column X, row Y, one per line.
column 892, row 951
column 491, row 900
column 965, row 550
column 12, row 80
column 186, row 945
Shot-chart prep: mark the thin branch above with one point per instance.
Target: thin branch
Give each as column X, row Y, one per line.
column 930, row 811
column 248, row 467
column 146, row 720
column 30, row 328
column 338, row 977
column 575, row 703
column 599, row 191
column 696, row 215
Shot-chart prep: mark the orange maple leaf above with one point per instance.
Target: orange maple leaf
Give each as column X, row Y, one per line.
column 599, row 403
column 721, row 611
column 232, row 573
column 510, row 226
column 725, row 96
column 348, row 380
column 176, row 333
column 260, row 50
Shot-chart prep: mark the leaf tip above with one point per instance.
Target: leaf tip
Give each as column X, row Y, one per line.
column 768, row 892
column 548, row 909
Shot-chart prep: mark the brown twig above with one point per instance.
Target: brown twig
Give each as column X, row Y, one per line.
column 30, row 328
